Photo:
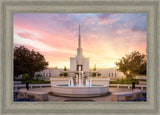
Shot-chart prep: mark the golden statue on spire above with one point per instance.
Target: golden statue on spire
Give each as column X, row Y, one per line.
column 79, row 26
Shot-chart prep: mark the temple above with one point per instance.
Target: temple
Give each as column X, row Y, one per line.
column 79, row 61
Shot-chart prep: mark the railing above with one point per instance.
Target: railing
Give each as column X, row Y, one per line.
column 31, row 86
column 128, row 86
column 49, row 85
column 17, row 82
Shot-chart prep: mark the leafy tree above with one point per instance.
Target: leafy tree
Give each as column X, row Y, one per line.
column 142, row 69
column 25, row 76
column 26, row 61
column 132, row 64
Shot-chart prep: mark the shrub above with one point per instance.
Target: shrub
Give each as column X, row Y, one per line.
column 125, row 81
column 38, row 75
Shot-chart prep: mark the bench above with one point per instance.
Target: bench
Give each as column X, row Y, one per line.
column 34, row 95
column 128, row 95
column 116, row 96
column 37, row 96
column 137, row 93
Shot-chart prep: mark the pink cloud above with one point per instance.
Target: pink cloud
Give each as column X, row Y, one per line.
column 26, row 35
column 59, row 41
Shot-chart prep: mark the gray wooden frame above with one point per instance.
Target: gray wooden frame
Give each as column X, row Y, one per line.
column 9, row 7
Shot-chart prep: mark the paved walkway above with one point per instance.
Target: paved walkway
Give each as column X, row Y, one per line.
column 69, row 99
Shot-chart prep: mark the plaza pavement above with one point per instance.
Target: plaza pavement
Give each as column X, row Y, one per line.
column 69, row 99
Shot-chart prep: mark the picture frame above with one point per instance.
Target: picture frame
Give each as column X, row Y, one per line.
column 9, row 7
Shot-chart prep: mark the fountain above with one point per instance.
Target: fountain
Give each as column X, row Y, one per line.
column 80, row 89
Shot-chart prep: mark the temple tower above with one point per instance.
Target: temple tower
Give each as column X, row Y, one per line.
column 79, row 61
column 79, row 49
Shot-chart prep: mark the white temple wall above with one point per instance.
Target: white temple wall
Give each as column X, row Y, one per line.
column 81, row 61
column 73, row 64
column 104, row 73
column 85, row 64
column 50, row 72
column 111, row 73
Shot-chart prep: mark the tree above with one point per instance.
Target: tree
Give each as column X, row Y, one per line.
column 65, row 69
column 142, row 69
column 25, row 76
column 132, row 64
column 94, row 69
column 26, row 61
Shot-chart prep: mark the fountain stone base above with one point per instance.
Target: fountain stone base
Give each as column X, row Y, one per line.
column 80, row 91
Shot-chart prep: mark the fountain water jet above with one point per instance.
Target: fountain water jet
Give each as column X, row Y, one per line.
column 72, row 83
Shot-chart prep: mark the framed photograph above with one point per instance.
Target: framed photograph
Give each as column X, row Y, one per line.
column 79, row 57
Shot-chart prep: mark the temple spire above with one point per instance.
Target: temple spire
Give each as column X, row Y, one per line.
column 79, row 41
column 79, row 49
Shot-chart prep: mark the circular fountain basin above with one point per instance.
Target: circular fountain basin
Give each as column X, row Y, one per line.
column 80, row 91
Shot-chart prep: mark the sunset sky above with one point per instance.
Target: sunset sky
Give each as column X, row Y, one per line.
column 105, row 37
